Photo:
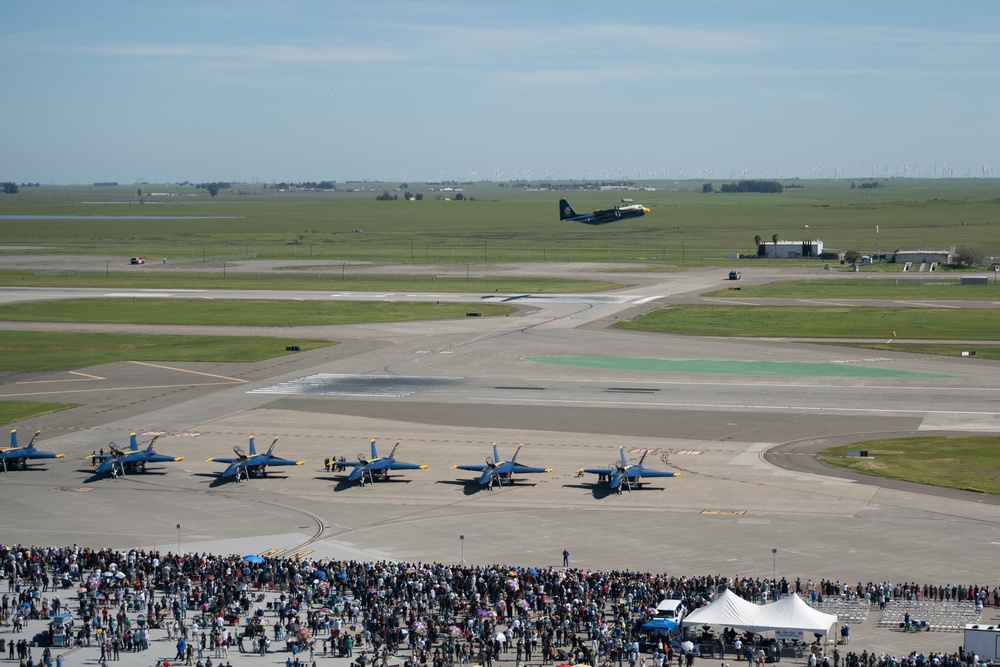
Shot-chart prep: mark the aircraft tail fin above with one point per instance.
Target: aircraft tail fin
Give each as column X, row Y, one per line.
column 31, row 444
column 513, row 459
column 133, row 444
column 253, row 449
column 496, row 454
column 13, row 438
column 392, row 454
column 621, row 453
column 374, row 451
column 270, row 449
column 643, row 457
column 565, row 210
column 156, row 436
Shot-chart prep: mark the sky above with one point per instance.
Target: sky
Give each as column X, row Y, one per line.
column 348, row 90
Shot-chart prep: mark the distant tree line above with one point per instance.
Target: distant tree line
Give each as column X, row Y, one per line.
column 867, row 185
column 752, row 186
column 104, row 184
column 9, row 187
column 308, row 185
column 213, row 188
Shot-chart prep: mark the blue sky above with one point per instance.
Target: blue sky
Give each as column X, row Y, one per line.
column 265, row 90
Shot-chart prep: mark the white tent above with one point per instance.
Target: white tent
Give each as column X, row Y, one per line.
column 792, row 613
column 789, row 613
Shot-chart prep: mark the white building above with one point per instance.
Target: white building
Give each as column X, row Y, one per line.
column 790, row 249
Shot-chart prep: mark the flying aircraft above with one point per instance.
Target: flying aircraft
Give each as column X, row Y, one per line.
column 602, row 216
column 624, row 474
column 18, row 456
column 245, row 466
column 120, row 461
column 499, row 471
column 377, row 467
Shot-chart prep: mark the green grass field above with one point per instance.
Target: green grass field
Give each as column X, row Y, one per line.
column 349, row 281
column 966, row 462
column 239, row 312
column 15, row 411
column 29, row 351
column 875, row 288
column 505, row 224
column 970, row 324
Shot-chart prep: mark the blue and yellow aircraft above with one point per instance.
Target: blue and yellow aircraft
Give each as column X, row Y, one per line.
column 245, row 466
column 624, row 474
column 18, row 456
column 377, row 467
column 499, row 471
column 120, row 461
column 602, row 216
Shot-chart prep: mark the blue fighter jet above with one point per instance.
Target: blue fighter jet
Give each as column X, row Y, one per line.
column 244, row 465
column 120, row 461
column 497, row 471
column 601, row 217
column 627, row 475
column 18, row 456
column 377, row 467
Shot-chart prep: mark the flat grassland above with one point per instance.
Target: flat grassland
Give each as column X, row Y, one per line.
column 936, row 289
column 29, row 351
column 500, row 222
column 969, row 324
column 955, row 462
column 239, row 312
column 15, row 411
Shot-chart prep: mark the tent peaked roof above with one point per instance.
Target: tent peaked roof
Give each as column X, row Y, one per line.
column 789, row 613
column 726, row 609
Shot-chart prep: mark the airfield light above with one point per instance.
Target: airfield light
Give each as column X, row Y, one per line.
column 178, row 538
column 774, row 564
column 461, row 540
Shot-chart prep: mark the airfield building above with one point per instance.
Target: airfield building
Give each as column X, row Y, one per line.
column 789, row 249
column 922, row 256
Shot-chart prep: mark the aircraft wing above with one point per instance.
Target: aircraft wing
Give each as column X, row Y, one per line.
column 479, row 468
column 657, row 473
column 521, row 469
column 399, row 465
column 159, row 458
column 600, row 471
column 100, row 458
column 222, row 460
column 350, row 464
column 281, row 462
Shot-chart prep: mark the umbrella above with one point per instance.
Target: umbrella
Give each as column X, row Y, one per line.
column 120, row 575
column 687, row 646
column 253, row 558
column 500, row 637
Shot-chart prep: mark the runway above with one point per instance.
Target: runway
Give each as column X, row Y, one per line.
column 725, row 513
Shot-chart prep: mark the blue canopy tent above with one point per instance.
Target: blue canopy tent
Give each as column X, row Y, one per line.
column 661, row 626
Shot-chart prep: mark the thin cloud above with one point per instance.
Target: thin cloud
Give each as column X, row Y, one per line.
column 280, row 53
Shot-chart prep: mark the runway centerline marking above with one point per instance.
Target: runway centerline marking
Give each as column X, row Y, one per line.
column 184, row 370
column 929, row 305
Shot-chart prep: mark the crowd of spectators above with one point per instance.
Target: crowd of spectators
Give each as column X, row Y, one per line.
column 432, row 613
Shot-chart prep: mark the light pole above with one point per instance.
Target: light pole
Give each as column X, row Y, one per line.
column 178, row 539
column 461, row 540
column 774, row 564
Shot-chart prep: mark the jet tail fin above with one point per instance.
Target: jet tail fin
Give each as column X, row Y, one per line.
column 13, row 438
column 271, row 448
column 253, row 449
column 513, row 459
column 31, row 445
column 496, row 454
column 374, row 451
column 621, row 453
column 643, row 457
column 565, row 210
column 133, row 443
column 392, row 454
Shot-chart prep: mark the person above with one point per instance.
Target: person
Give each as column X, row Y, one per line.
column 565, row 558
column 845, row 634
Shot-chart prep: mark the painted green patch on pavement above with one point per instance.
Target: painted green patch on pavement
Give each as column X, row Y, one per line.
column 724, row 367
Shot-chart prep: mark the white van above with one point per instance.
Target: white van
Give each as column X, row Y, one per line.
column 670, row 609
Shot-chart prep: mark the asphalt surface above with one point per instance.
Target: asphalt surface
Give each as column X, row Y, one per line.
column 743, row 505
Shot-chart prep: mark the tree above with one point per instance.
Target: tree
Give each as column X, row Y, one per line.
column 9, row 188
column 852, row 256
column 213, row 189
column 707, row 187
column 758, row 245
column 966, row 256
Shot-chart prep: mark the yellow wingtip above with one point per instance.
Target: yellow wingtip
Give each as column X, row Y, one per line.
column 178, row 458
column 299, row 463
column 423, row 467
